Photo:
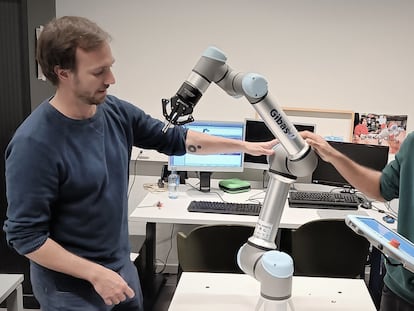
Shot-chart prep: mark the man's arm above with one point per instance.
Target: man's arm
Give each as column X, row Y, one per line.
column 362, row 178
column 200, row 143
column 108, row 284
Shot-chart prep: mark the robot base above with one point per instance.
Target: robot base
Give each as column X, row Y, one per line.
column 274, row 305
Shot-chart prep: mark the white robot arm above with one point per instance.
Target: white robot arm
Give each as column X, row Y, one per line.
column 293, row 158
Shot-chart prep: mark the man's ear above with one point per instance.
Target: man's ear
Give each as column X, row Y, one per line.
column 62, row 74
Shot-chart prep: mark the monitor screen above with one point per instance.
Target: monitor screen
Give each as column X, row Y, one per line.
column 223, row 162
column 373, row 156
column 256, row 130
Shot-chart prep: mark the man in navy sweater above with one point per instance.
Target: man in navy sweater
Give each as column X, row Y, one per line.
column 67, row 174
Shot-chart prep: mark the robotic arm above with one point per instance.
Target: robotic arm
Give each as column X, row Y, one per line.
column 293, row 158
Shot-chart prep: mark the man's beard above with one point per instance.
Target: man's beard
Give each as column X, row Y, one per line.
column 95, row 99
column 91, row 100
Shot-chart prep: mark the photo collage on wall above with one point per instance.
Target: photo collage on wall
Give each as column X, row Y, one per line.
column 380, row 129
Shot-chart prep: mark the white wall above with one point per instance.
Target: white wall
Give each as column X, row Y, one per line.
column 334, row 54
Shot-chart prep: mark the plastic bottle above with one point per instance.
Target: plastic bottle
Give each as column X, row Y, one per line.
column 173, row 183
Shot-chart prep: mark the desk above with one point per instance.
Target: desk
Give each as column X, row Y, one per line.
column 11, row 291
column 221, row 291
column 174, row 211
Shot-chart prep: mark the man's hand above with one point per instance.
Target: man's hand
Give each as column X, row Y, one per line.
column 360, row 177
column 111, row 286
column 260, row 148
column 321, row 146
column 108, row 284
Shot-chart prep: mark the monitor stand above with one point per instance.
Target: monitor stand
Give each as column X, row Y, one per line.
column 183, row 176
column 205, row 181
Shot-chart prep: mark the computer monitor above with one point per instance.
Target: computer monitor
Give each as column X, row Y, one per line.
column 372, row 156
column 257, row 131
column 207, row 164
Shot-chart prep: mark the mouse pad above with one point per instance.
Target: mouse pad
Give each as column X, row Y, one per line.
column 339, row 213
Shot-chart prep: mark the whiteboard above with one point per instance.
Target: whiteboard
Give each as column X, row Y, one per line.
column 331, row 124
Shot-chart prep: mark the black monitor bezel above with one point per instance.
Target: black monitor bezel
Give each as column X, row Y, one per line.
column 326, row 174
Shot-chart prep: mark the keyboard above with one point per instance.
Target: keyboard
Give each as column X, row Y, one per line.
column 325, row 200
column 251, row 209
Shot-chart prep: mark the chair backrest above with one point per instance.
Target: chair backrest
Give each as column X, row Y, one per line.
column 212, row 248
column 329, row 248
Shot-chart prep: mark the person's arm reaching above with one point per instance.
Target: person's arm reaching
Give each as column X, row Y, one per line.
column 108, row 284
column 200, row 143
column 362, row 178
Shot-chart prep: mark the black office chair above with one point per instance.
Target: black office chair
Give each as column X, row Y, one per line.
column 211, row 248
column 329, row 248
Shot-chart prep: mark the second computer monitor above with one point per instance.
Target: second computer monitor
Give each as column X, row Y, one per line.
column 257, row 131
column 372, row 156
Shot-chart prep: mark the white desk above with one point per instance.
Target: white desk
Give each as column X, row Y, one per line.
column 11, row 291
column 174, row 211
column 220, row 291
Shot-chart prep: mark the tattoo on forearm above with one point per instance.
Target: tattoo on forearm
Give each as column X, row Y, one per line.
column 193, row 149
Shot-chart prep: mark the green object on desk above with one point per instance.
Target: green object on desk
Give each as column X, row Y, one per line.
column 234, row 185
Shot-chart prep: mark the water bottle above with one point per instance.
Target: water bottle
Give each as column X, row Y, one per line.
column 173, row 183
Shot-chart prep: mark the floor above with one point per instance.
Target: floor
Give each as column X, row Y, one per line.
column 166, row 294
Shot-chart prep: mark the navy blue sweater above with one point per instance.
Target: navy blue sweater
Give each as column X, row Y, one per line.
column 68, row 179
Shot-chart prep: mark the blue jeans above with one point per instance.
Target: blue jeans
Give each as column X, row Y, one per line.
column 57, row 291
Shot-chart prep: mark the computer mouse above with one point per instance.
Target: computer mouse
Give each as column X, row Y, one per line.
column 365, row 204
column 388, row 219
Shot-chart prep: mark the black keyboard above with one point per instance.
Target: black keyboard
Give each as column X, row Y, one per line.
column 250, row 209
column 326, row 200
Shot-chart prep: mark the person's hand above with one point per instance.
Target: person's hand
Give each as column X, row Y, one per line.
column 319, row 144
column 261, row 148
column 111, row 286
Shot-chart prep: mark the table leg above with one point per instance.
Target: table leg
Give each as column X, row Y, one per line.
column 153, row 282
column 15, row 300
column 150, row 245
column 376, row 276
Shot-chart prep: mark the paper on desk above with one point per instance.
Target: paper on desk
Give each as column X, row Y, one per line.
column 152, row 187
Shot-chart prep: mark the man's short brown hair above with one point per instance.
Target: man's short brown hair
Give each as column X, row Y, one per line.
column 59, row 40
